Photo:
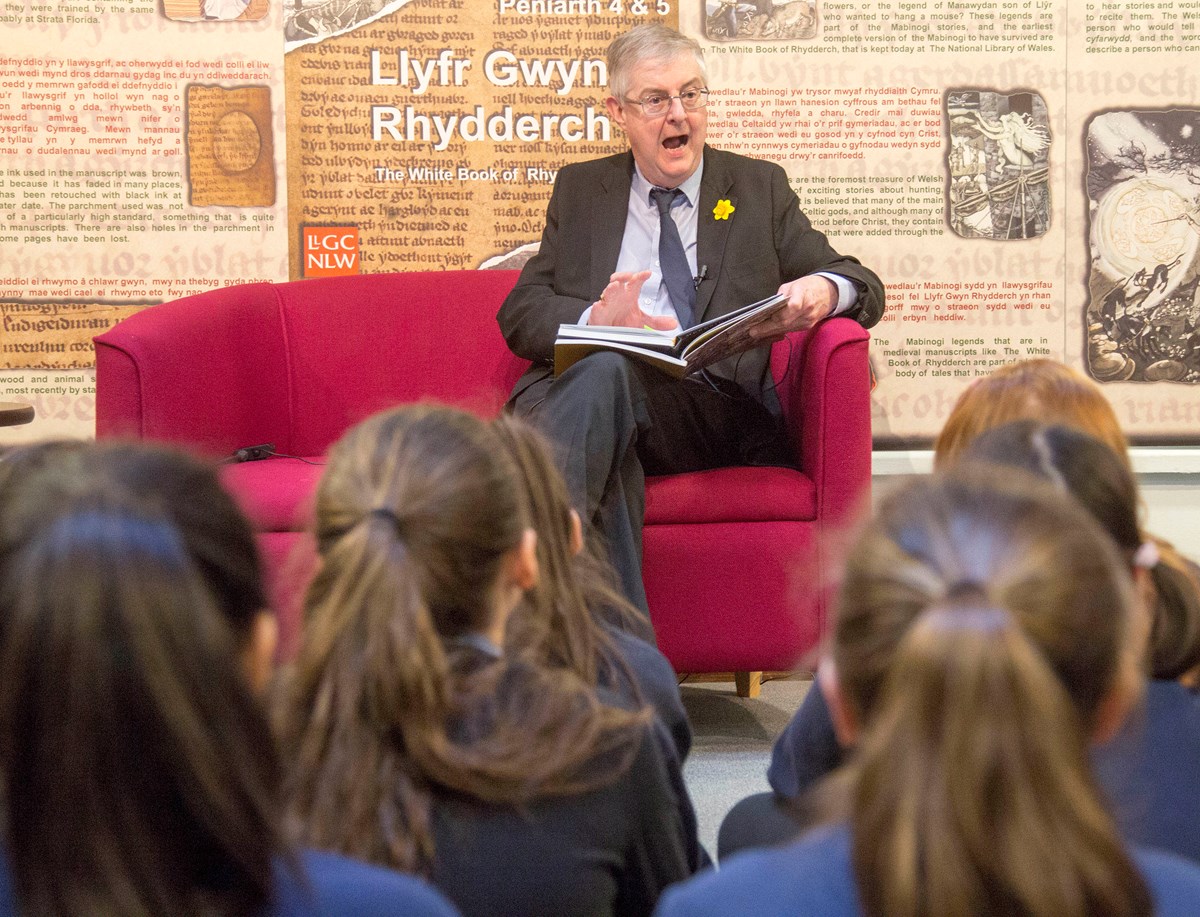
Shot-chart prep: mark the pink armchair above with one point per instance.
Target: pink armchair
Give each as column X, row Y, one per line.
column 735, row 565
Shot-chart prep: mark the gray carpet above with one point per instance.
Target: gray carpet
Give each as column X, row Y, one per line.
column 732, row 743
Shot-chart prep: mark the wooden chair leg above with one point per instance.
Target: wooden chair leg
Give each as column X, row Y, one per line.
column 749, row 684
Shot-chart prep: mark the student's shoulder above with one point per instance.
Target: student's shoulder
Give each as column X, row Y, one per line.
column 335, row 885
column 656, row 682
column 646, row 660
column 1174, row 882
column 812, row 876
column 1169, row 701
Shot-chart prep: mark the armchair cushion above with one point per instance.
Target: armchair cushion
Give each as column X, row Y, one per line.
column 741, row 494
column 276, row 494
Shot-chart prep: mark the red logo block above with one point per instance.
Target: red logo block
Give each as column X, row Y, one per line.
column 330, row 251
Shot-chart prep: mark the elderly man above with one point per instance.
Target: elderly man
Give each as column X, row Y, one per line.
column 671, row 232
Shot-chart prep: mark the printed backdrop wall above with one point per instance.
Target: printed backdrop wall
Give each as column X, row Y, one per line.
column 1023, row 174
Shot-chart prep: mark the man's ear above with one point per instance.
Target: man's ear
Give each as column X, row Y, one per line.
column 523, row 563
column 576, row 543
column 845, row 720
column 258, row 657
column 616, row 111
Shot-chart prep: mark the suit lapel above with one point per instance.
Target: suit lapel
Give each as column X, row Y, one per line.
column 611, row 207
column 711, row 233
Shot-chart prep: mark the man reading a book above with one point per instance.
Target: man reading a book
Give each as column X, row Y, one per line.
column 668, row 234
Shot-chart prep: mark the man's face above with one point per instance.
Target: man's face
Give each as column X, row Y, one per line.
column 667, row 147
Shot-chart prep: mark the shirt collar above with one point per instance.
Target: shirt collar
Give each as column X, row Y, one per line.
column 479, row 642
column 690, row 188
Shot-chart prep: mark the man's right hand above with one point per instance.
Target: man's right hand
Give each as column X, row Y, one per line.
column 618, row 305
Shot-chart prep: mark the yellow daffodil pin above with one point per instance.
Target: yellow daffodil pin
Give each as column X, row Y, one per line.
column 723, row 209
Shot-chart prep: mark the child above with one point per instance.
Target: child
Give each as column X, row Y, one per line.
column 987, row 632
column 139, row 775
column 415, row 738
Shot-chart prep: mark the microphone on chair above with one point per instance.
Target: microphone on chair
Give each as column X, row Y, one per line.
column 252, row 453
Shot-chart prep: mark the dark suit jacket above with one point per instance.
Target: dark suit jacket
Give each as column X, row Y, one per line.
column 765, row 242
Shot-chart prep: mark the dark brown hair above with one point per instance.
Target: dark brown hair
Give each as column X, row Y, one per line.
column 186, row 491
column 1102, row 482
column 982, row 627
column 418, row 510
column 138, row 772
column 560, row 620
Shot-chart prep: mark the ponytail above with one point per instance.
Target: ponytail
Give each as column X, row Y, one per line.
column 564, row 620
column 371, row 658
column 1101, row 481
column 391, row 700
column 985, row 625
column 973, row 791
column 1175, row 633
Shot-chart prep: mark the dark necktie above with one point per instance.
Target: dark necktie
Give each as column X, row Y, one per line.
column 671, row 258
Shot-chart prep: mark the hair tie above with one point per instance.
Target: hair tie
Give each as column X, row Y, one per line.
column 382, row 512
column 1146, row 556
column 965, row 589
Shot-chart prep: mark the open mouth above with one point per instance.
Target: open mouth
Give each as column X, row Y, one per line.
column 674, row 143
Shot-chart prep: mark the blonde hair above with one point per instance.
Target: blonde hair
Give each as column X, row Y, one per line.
column 982, row 629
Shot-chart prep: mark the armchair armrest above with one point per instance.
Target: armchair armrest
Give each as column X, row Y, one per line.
column 823, row 383
column 208, row 371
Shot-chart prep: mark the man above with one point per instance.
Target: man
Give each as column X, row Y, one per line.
column 610, row 255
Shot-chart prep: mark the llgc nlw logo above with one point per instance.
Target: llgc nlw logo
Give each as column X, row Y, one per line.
column 330, row 251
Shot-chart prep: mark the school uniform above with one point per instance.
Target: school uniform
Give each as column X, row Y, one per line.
column 608, row 851
column 657, row 685
column 814, row 877
column 326, row 885
column 1151, row 771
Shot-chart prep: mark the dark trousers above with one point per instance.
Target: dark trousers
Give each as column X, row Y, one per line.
column 616, row 420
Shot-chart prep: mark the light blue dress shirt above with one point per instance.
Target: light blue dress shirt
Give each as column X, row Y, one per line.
column 641, row 240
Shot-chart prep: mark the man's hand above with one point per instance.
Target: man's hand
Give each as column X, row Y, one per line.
column 618, row 304
column 810, row 299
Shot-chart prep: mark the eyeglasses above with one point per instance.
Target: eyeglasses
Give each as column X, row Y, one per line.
column 658, row 103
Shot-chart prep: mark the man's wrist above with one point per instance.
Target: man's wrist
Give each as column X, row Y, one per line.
column 845, row 290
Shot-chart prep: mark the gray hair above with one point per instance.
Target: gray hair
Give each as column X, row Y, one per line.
column 651, row 42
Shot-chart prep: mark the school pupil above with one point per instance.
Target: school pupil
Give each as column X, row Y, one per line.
column 1048, row 392
column 987, row 633
column 137, row 772
column 1148, row 768
column 576, row 617
column 415, row 738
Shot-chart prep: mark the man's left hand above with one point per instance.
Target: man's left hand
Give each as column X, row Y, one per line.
column 810, row 299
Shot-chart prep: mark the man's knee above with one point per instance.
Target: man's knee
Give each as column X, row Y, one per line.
column 602, row 367
column 603, row 378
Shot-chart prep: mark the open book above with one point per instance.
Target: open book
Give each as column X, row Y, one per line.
column 676, row 352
